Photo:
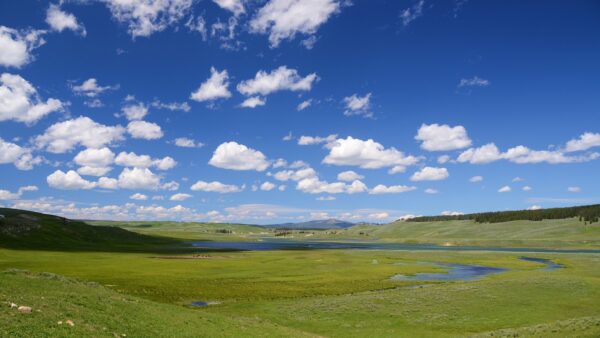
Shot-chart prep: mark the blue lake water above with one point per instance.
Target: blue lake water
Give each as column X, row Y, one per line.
column 199, row 304
column 550, row 265
column 280, row 244
column 453, row 272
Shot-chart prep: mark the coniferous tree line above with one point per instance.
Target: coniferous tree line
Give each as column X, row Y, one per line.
column 586, row 213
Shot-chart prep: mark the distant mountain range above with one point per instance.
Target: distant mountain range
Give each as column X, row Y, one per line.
column 331, row 223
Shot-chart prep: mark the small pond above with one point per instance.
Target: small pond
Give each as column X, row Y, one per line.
column 453, row 272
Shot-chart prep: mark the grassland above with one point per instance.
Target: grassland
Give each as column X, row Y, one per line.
column 142, row 291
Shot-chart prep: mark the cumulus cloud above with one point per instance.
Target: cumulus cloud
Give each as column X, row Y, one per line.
column 253, row 102
column 435, row 137
column 451, row 213
column 93, row 171
column 234, row 6
column 475, row 179
column 139, row 197
column 267, row 186
column 304, row 104
column 180, row 197
column 431, row 191
column 64, row 136
column 135, row 112
column 145, row 17
column 185, row 142
column 349, row 176
column 392, row 189
column 138, row 178
column 235, row 156
column 574, row 189
column 430, row 174
column 60, row 20
column 16, row 46
column 521, row 155
column 7, row 195
column 68, row 181
column 411, row 13
column 295, row 175
column 310, row 140
column 366, row 154
column 282, row 78
column 527, row 188
column 215, row 87
column 473, row 82
column 313, row 185
column 19, row 156
column 505, row 188
column 19, row 100
column 215, row 186
column 131, row 159
column 283, row 19
column 358, row 105
column 584, row 142
column 172, row 106
column 144, row 130
column 95, row 157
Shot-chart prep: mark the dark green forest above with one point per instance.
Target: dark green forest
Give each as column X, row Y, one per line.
column 585, row 213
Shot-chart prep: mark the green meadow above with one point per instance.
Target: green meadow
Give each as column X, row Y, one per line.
column 142, row 283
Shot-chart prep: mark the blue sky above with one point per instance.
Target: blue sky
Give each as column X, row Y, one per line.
column 282, row 110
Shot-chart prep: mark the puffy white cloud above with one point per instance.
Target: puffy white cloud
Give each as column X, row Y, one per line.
column 366, row 154
column 165, row 163
column 145, row 17
column 234, row 6
column 326, row 198
column 505, row 188
column 108, row 183
column 93, row 171
column 282, row 78
column 584, row 142
column 304, row 104
column 309, row 140
column 443, row 159
column 451, row 213
column 397, row 169
column 267, row 186
column 484, row 154
column 91, row 88
column 134, row 112
column 93, row 157
column 392, row 189
column 138, row 178
column 180, row 197
column 473, row 82
column 574, row 189
column 283, row 19
column 475, row 179
column 253, row 102
column 215, row 87
column 430, row 174
column 235, row 156
column 7, row 195
column 295, row 175
column 131, row 159
column 17, row 155
column 349, row 176
column 215, row 186
column 19, row 100
column 68, row 181
column 139, row 197
column 144, row 130
column 527, row 188
column 172, row 106
column 16, row 46
column 411, row 13
column 517, row 179
column 64, row 136
column 313, row 185
column 358, row 105
column 436, row 137
column 431, row 191
column 172, row 186
column 60, row 20
column 185, row 142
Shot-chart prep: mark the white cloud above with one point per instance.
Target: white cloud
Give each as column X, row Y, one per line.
column 451, row 213
column 7, row 195
column 16, row 46
column 180, row 197
column 288, row 137
column 313, row 185
column 484, row 154
column 267, row 186
column 235, row 156
column 19, row 100
column 93, row 171
column 215, row 87
column 253, row 102
column 443, row 159
column 139, row 197
column 527, row 188
column 431, row 191
column 215, row 186
column 94, row 157
column 165, row 163
column 357, row 105
column 64, row 136
column 436, row 137
column 68, row 181
column 295, row 175
column 326, row 198
column 234, row 6
column 473, row 82
column 505, row 188
column 475, row 179
column 134, row 112
column 94, row 103
column 535, row 207
column 172, row 186
column 144, row 130
column 131, row 159
column 430, row 174
column 366, row 154
column 397, row 169
column 60, row 20
column 185, row 142
column 145, row 17
column 574, row 189
column 304, row 104
column 138, row 178
column 349, row 176
column 411, row 13
column 584, row 142
column 282, row 78
column 17, row 155
column 108, row 183
column 517, row 179
column 392, row 189
column 172, row 106
column 283, row 19
column 310, row 140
